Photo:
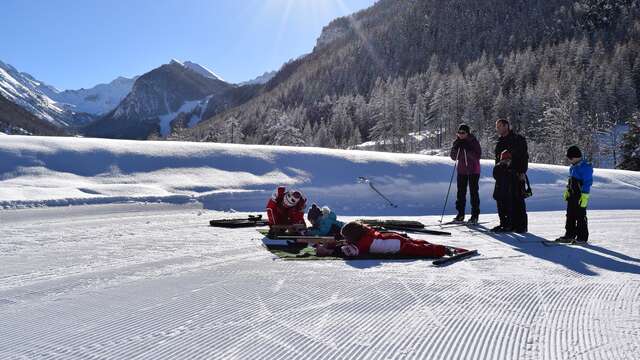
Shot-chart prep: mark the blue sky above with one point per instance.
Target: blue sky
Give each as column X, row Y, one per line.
column 79, row 43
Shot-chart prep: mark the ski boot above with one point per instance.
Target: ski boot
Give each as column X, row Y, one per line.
column 458, row 219
column 565, row 239
column 473, row 220
column 501, row 229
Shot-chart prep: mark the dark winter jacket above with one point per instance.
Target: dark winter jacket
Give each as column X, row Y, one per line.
column 468, row 154
column 517, row 146
column 506, row 182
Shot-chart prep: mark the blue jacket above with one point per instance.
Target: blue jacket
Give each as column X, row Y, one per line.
column 327, row 222
column 583, row 173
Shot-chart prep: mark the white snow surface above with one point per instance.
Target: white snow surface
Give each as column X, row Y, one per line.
column 153, row 281
column 133, row 271
column 62, row 171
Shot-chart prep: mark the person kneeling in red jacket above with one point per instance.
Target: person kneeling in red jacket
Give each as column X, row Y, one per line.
column 361, row 239
column 286, row 207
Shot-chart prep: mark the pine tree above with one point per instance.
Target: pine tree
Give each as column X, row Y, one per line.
column 631, row 145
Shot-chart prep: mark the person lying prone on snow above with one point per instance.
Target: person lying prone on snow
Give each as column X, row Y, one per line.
column 362, row 239
column 323, row 221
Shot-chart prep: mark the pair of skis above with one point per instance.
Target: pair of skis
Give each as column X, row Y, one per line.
column 250, row 221
column 402, row 225
column 560, row 243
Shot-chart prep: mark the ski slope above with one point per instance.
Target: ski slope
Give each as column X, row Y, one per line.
column 128, row 268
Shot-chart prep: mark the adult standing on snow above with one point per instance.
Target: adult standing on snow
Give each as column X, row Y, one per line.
column 466, row 149
column 516, row 145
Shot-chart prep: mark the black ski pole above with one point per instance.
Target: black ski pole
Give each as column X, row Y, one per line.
column 363, row 179
column 446, row 199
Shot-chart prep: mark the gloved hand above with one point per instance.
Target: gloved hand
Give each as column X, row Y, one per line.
column 460, row 144
column 350, row 250
column 565, row 195
column 584, row 200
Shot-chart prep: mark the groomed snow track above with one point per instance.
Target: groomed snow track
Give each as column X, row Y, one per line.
column 156, row 282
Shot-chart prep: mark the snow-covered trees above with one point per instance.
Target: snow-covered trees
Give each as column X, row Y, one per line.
column 565, row 74
column 631, row 145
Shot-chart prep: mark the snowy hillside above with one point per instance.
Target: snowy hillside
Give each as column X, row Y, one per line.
column 23, row 90
column 140, row 274
column 241, row 177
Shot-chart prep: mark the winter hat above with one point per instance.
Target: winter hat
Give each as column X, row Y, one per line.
column 574, row 152
column 505, row 154
column 353, row 231
column 465, row 128
column 291, row 198
column 326, row 210
column 314, row 212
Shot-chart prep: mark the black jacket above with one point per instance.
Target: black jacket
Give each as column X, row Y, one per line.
column 517, row 146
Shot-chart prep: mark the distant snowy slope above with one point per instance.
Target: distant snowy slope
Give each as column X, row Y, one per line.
column 23, row 90
column 97, row 100
column 201, row 70
column 262, row 79
column 160, row 92
column 58, row 171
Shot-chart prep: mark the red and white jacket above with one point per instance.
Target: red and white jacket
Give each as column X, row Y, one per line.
column 376, row 242
column 279, row 214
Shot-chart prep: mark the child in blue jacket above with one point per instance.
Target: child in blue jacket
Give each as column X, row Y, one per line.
column 577, row 197
column 323, row 221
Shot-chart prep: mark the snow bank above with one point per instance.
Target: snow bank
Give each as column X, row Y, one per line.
column 60, row 171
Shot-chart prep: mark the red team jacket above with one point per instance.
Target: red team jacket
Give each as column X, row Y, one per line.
column 281, row 215
column 408, row 246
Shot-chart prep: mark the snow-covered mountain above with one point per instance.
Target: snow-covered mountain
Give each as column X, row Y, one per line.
column 30, row 94
column 17, row 120
column 200, row 69
column 262, row 79
column 97, row 100
column 156, row 98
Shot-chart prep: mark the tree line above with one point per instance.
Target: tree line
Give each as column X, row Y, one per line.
column 566, row 72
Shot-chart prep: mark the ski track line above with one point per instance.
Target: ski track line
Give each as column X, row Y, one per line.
column 494, row 328
column 126, row 320
column 442, row 339
column 129, row 273
column 487, row 326
column 165, row 333
column 370, row 335
column 124, row 325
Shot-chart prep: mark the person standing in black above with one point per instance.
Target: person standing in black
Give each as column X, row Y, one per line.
column 516, row 145
column 466, row 150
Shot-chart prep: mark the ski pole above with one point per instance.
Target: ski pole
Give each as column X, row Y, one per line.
column 446, row 199
column 363, row 179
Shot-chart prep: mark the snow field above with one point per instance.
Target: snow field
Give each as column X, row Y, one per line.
column 128, row 267
column 49, row 171
column 153, row 281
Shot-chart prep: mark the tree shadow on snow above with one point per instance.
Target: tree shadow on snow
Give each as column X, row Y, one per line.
column 575, row 258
